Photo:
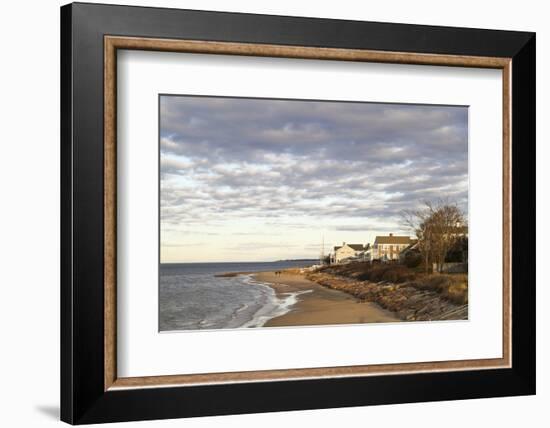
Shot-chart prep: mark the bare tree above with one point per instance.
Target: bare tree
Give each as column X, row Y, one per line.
column 418, row 221
column 437, row 226
column 448, row 224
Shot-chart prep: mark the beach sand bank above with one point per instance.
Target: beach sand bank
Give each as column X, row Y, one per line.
column 321, row 305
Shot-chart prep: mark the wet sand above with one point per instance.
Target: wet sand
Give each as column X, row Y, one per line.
column 322, row 305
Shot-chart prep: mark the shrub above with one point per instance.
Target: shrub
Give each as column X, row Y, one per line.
column 412, row 259
column 453, row 287
column 457, row 293
column 390, row 273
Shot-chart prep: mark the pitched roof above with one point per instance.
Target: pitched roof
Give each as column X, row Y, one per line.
column 392, row 239
column 412, row 246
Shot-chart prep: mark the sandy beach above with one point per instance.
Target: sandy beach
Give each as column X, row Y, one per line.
column 321, row 305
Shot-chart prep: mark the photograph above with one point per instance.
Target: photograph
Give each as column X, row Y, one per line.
column 289, row 212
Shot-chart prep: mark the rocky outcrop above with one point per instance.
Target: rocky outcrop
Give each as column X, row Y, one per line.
column 407, row 301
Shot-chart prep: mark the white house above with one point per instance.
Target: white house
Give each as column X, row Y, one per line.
column 347, row 251
column 388, row 247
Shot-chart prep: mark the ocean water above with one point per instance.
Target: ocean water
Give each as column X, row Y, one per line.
column 193, row 298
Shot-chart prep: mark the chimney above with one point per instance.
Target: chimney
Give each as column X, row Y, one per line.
column 391, row 234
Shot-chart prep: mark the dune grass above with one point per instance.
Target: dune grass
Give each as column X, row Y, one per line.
column 453, row 287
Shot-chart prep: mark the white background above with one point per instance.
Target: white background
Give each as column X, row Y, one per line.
column 29, row 230
column 142, row 351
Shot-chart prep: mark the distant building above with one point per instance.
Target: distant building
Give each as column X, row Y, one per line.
column 387, row 248
column 347, row 251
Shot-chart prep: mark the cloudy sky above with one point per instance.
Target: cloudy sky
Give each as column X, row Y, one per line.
column 256, row 179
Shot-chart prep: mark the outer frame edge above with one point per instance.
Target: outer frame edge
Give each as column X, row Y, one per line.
column 524, row 215
column 66, row 305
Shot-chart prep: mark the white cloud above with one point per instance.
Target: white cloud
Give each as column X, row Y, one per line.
column 237, row 169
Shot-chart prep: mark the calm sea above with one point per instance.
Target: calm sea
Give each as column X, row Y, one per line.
column 192, row 297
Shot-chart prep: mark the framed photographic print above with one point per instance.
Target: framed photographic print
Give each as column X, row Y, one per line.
column 265, row 213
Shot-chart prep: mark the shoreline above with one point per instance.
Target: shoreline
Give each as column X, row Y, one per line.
column 317, row 304
column 408, row 302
